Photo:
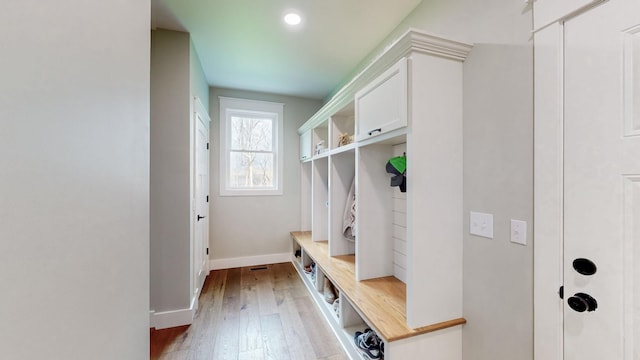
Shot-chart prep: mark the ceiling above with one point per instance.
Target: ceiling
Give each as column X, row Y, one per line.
column 244, row 44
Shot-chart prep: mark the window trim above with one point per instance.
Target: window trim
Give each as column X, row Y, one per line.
column 229, row 105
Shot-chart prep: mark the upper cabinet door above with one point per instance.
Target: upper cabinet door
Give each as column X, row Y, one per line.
column 546, row 12
column 381, row 106
column 305, row 145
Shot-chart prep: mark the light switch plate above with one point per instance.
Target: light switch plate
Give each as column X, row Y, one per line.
column 481, row 224
column 519, row 232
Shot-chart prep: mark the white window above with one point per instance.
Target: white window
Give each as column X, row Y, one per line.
column 251, row 147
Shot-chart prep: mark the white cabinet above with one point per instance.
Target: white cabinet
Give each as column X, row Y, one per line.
column 381, row 106
column 305, row 145
column 548, row 11
column 407, row 101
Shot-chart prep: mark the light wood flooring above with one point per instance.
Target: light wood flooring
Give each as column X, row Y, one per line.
column 261, row 312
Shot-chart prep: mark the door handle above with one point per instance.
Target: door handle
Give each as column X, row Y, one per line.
column 200, row 217
column 374, row 131
column 582, row 302
column 584, row 266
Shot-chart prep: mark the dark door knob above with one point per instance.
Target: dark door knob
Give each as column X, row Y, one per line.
column 584, row 266
column 201, row 217
column 582, row 302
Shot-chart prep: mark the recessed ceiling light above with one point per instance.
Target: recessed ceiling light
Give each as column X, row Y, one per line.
column 292, row 18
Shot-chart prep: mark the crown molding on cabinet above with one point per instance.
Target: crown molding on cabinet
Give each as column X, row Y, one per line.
column 411, row 41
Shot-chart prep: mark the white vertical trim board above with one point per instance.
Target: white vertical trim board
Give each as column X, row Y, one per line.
column 548, row 193
column 228, row 263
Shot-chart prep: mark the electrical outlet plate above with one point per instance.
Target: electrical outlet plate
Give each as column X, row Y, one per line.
column 481, row 224
column 519, row 232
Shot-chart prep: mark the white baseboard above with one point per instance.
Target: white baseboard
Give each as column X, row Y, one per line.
column 217, row 264
column 173, row 318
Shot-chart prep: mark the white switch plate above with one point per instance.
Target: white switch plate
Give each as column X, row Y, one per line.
column 519, row 232
column 481, row 224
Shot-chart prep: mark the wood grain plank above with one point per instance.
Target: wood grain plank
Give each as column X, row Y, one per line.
column 275, row 344
column 293, row 326
column 209, row 315
column 226, row 345
column 251, row 335
column 175, row 355
column 204, row 351
column 256, row 354
column 335, row 357
column 286, row 277
column 266, row 299
column 166, row 340
column 317, row 329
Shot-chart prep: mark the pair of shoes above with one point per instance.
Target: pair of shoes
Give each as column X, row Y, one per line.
column 311, row 271
column 336, row 307
column 309, row 268
column 330, row 293
column 369, row 344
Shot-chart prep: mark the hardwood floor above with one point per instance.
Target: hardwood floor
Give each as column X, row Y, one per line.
column 251, row 313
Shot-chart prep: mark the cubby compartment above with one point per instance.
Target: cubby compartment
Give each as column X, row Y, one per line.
column 351, row 323
column 375, row 250
column 343, row 127
column 342, row 184
column 310, row 269
column 399, row 223
column 321, row 139
column 320, row 199
column 296, row 253
column 350, row 320
column 328, row 294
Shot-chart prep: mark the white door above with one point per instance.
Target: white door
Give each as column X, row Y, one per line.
column 602, row 183
column 200, row 252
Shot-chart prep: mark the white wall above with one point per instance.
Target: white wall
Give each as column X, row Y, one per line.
column 245, row 226
column 498, row 166
column 74, row 175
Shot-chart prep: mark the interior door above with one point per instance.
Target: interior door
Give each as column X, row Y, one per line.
column 602, row 183
column 200, row 252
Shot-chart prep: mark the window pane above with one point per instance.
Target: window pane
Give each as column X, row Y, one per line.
column 250, row 170
column 251, row 133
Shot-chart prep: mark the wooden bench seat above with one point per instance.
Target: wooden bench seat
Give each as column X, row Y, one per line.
column 381, row 301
